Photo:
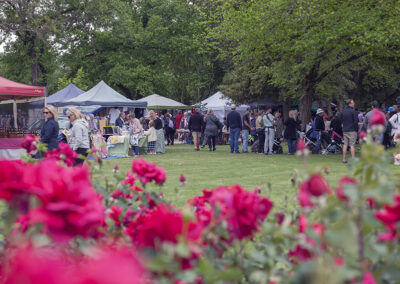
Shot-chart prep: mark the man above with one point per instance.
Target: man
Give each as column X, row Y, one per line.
column 374, row 105
column 245, row 131
column 234, row 123
column 350, row 129
column 196, row 123
column 319, row 128
column 120, row 120
column 269, row 124
column 367, row 118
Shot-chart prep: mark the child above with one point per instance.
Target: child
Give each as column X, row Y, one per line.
column 152, row 138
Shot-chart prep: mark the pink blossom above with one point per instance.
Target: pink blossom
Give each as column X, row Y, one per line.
column 29, row 143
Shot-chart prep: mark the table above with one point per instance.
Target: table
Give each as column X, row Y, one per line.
column 119, row 149
column 10, row 148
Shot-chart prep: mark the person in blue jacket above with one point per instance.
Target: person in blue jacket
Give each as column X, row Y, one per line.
column 50, row 129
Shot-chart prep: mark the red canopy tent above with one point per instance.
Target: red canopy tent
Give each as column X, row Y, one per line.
column 13, row 92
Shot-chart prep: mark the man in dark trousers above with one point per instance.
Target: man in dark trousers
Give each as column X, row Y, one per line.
column 234, row 123
column 319, row 128
column 196, row 123
column 350, row 129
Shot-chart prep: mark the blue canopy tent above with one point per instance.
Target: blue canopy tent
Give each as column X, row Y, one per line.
column 69, row 92
column 103, row 95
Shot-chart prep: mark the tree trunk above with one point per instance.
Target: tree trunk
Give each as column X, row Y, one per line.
column 305, row 107
column 286, row 108
column 30, row 41
column 340, row 105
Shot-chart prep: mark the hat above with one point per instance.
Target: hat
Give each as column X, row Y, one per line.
column 320, row 110
column 233, row 106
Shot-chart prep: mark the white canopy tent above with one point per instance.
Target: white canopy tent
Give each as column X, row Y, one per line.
column 157, row 101
column 220, row 104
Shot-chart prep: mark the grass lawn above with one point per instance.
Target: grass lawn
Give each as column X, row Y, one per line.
column 208, row 170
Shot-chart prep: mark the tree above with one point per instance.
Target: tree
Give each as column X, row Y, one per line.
column 306, row 47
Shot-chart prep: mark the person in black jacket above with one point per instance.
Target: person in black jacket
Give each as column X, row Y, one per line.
column 234, row 123
column 336, row 124
column 196, row 123
column 50, row 129
column 290, row 133
column 319, row 127
column 120, row 121
column 350, row 129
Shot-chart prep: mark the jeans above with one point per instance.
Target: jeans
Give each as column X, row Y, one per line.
column 135, row 149
column 245, row 140
column 269, row 140
column 292, row 145
column 234, row 139
column 83, row 152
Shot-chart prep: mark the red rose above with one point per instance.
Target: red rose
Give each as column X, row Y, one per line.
column 390, row 216
column 302, row 224
column 109, row 265
column 14, row 179
column 69, row 204
column 243, row 211
column 304, row 196
column 30, row 265
column 162, row 224
column 147, row 172
column 299, row 254
column 377, row 118
column 63, row 153
column 317, row 185
column 280, row 217
column 29, row 143
column 368, row 278
column 182, row 179
column 115, row 215
column 342, row 184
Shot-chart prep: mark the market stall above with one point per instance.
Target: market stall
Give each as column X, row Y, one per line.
column 220, row 104
column 10, row 134
column 159, row 102
column 105, row 96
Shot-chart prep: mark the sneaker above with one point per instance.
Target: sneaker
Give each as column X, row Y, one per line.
column 344, row 162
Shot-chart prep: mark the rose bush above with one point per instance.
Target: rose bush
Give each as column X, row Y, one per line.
column 126, row 232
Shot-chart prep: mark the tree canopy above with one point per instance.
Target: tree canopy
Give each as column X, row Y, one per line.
column 291, row 51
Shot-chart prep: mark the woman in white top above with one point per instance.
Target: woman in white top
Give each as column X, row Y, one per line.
column 79, row 139
column 395, row 122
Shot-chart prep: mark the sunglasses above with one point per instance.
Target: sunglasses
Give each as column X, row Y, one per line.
column 46, row 112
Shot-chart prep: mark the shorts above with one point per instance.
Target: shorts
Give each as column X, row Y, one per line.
column 350, row 138
column 196, row 134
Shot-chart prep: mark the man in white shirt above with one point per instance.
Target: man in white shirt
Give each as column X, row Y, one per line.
column 114, row 114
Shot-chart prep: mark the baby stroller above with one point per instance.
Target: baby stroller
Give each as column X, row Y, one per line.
column 277, row 147
column 311, row 145
column 335, row 147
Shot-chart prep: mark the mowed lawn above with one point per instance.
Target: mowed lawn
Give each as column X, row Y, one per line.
column 208, row 170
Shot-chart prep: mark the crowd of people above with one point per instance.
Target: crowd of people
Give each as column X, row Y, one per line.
column 261, row 130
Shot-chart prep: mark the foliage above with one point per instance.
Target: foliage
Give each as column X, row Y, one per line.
column 342, row 234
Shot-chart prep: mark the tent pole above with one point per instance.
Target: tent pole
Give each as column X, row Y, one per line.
column 15, row 111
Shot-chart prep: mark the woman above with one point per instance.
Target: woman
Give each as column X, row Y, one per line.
column 211, row 129
column 135, row 131
column 184, row 127
column 50, row 129
column 290, row 133
column 160, row 144
column 260, row 132
column 79, row 139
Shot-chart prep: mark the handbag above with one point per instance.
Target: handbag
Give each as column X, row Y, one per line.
column 134, row 139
